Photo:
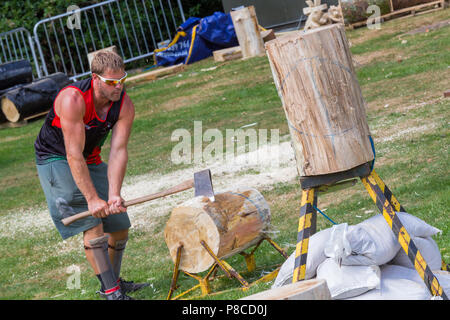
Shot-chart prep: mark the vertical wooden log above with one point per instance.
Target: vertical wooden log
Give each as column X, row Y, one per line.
column 247, row 31
column 322, row 100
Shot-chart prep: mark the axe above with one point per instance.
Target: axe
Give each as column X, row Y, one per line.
column 201, row 182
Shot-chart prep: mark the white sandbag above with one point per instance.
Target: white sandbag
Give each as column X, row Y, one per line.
column 429, row 250
column 400, row 283
column 415, row 226
column 348, row 281
column 371, row 245
column 373, row 242
column 315, row 257
column 338, row 247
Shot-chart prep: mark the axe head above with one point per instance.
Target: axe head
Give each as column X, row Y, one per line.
column 64, row 208
column 203, row 184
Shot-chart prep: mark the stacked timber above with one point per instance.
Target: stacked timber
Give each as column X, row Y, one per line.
column 26, row 101
column 233, row 222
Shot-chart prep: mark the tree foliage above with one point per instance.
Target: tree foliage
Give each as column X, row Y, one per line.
column 27, row 13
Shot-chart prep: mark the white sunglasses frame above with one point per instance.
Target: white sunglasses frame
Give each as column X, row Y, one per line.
column 107, row 79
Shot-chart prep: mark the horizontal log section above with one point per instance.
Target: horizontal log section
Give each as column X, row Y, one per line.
column 235, row 221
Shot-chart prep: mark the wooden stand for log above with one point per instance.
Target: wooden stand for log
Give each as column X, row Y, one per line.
column 247, row 31
column 325, row 110
column 201, row 234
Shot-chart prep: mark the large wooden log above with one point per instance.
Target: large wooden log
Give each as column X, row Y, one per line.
column 322, row 100
column 235, row 221
column 14, row 73
column 247, row 31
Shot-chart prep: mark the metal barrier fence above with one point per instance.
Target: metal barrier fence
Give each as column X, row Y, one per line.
column 18, row 44
column 135, row 27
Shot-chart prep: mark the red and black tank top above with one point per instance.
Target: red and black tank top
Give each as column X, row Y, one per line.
column 49, row 144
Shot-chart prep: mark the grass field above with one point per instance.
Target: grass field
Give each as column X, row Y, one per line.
column 402, row 77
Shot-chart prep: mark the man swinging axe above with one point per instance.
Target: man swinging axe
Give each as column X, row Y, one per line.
column 70, row 167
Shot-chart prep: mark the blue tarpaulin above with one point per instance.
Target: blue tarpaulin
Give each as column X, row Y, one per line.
column 196, row 39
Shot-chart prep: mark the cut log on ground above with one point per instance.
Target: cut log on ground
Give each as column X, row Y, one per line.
column 322, row 100
column 247, row 31
column 314, row 289
column 227, row 54
column 14, row 73
column 235, row 221
column 29, row 100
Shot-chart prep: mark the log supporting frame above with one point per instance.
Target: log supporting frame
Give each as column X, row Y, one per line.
column 229, row 271
column 388, row 205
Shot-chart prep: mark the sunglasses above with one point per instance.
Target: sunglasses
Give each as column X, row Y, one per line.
column 113, row 82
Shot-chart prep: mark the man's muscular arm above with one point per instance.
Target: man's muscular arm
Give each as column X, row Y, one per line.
column 118, row 156
column 70, row 108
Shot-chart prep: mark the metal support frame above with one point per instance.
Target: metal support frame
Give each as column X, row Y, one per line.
column 229, row 271
column 388, row 206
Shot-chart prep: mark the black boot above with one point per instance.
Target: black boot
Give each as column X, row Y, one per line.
column 130, row 286
column 116, row 295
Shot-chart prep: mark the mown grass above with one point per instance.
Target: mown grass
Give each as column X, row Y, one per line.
column 406, row 113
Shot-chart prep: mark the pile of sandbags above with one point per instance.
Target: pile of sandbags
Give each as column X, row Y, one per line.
column 365, row 261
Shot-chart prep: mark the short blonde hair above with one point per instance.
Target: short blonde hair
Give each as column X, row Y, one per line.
column 106, row 60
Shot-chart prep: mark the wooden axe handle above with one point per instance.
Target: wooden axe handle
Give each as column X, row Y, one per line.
column 178, row 188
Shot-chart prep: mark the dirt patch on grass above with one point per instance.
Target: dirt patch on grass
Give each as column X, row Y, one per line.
column 430, row 27
column 360, row 60
column 402, row 94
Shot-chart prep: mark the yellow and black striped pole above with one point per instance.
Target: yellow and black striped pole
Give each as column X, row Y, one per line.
column 388, row 206
column 387, row 193
column 305, row 227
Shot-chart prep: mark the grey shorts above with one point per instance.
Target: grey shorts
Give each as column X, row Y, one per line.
column 57, row 181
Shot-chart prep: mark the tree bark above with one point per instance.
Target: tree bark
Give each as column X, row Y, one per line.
column 235, row 221
column 322, row 100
